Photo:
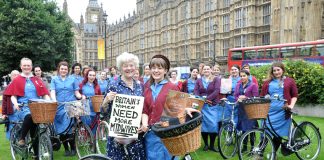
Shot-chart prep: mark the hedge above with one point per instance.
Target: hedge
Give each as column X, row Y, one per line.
column 309, row 78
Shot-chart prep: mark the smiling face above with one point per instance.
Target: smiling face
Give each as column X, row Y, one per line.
column 277, row 72
column 38, row 71
column 77, row 70
column 174, row 75
column 113, row 71
column 91, row 76
column 158, row 73
column 216, row 71
column 207, row 71
column 194, row 73
column 26, row 66
column 244, row 77
column 63, row 71
column 136, row 74
column 234, row 71
column 128, row 69
column 103, row 75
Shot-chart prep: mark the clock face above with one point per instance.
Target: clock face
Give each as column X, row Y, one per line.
column 94, row 18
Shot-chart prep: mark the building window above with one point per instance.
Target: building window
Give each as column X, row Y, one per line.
column 176, row 16
column 142, row 43
column 197, row 54
column 226, row 25
column 240, row 17
column 266, row 14
column 186, row 32
column 208, row 4
column 207, row 25
column 165, row 19
column 197, row 30
column 266, row 39
column 197, row 8
column 240, row 41
column 227, row 3
column 225, row 47
column 141, row 27
column 206, row 53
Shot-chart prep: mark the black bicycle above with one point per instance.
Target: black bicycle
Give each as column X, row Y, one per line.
column 304, row 140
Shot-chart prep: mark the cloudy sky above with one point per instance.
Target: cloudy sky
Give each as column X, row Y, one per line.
column 114, row 8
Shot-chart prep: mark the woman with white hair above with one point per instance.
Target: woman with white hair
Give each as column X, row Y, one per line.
column 120, row 148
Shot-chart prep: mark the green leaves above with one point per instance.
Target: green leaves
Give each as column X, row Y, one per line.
column 35, row 29
column 309, row 78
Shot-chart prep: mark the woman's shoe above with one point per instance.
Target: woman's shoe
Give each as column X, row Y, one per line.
column 67, row 153
column 205, row 148
column 72, row 153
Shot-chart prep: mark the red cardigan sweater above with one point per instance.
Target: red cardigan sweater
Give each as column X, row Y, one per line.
column 290, row 89
column 17, row 88
column 155, row 108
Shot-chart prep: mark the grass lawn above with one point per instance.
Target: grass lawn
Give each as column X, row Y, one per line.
column 198, row 155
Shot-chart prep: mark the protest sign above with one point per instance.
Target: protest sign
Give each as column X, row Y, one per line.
column 125, row 116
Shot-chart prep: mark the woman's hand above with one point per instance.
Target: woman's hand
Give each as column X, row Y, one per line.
column 144, row 128
column 109, row 97
column 16, row 106
column 4, row 116
column 189, row 111
column 83, row 97
column 241, row 98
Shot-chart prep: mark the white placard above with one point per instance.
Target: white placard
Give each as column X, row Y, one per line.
column 126, row 115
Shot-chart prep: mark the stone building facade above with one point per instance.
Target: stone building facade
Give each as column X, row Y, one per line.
column 194, row 31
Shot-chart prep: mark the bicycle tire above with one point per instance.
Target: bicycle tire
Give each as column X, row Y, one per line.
column 301, row 141
column 264, row 148
column 227, row 140
column 95, row 157
column 45, row 150
column 17, row 153
column 84, row 140
column 102, row 137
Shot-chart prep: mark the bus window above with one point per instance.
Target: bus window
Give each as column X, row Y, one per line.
column 236, row 55
column 305, row 51
column 320, row 49
column 287, row 52
column 272, row 53
column 260, row 54
column 250, row 54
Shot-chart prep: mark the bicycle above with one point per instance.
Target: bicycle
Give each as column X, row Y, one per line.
column 302, row 138
column 228, row 135
column 83, row 137
column 18, row 152
column 101, row 136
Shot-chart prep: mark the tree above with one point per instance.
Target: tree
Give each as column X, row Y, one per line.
column 36, row 29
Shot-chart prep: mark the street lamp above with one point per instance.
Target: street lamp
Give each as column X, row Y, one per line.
column 111, row 51
column 105, row 21
column 215, row 26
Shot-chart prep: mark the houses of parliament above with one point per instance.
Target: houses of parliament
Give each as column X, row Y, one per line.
column 192, row 31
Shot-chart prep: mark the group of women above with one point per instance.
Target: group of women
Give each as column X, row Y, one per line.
column 204, row 82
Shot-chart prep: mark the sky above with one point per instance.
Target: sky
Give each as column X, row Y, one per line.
column 115, row 9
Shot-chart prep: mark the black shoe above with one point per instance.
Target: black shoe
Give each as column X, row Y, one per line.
column 213, row 149
column 205, row 148
column 72, row 153
column 67, row 153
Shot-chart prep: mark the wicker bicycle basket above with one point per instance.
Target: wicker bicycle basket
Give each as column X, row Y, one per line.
column 197, row 102
column 185, row 143
column 43, row 112
column 256, row 108
column 96, row 102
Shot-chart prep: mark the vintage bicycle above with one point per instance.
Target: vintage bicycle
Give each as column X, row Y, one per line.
column 304, row 138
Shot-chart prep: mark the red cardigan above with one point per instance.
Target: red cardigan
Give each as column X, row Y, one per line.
column 17, row 88
column 155, row 108
column 290, row 89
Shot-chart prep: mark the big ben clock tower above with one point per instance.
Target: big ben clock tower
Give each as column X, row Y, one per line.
column 93, row 12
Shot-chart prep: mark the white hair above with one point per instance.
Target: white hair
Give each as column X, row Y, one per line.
column 127, row 57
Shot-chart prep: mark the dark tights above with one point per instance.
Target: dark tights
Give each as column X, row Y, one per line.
column 68, row 139
column 29, row 125
column 212, row 138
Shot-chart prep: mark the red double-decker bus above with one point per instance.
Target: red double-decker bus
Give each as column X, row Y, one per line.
column 312, row 51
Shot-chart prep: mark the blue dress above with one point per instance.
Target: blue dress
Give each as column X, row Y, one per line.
column 276, row 113
column 136, row 149
column 103, row 84
column 78, row 78
column 88, row 91
column 155, row 149
column 64, row 90
column 210, row 114
column 29, row 93
column 231, row 98
column 191, row 85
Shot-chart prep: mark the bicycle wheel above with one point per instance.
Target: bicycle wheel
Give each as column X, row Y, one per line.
column 256, row 144
column 84, row 140
column 95, row 157
column 45, row 150
column 227, row 140
column 17, row 153
column 307, row 141
column 102, row 137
